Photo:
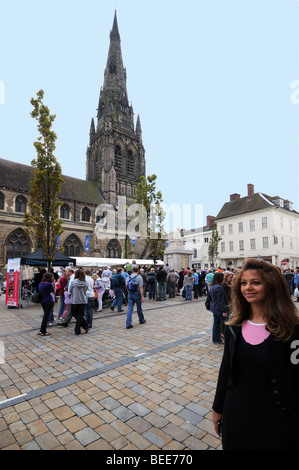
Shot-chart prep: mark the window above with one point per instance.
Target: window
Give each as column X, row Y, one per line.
column 17, row 244
column 73, row 246
column 231, row 246
column 291, row 225
column 265, row 242
column 206, row 240
column 240, row 227
column 64, row 211
column 113, row 249
column 252, row 244
column 230, row 229
column 1, row 202
column 291, row 243
column 251, row 225
column 130, row 163
column 20, row 204
column 222, row 246
column 282, row 242
column 264, row 222
column 194, row 253
column 222, row 230
column 241, row 245
column 117, row 158
column 281, row 222
column 85, row 214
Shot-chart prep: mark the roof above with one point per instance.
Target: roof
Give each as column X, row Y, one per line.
column 17, row 176
column 243, row 205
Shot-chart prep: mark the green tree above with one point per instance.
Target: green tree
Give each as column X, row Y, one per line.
column 151, row 199
column 43, row 217
column 213, row 250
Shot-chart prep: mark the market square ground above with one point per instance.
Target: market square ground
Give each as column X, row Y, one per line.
column 148, row 388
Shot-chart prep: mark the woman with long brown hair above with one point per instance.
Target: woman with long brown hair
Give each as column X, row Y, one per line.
column 256, row 401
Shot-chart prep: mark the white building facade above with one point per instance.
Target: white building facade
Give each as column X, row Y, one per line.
column 258, row 226
column 197, row 240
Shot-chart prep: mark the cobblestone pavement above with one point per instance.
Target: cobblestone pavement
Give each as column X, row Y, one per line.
column 147, row 388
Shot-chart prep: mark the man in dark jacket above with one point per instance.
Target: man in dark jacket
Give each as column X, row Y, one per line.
column 161, row 279
column 118, row 285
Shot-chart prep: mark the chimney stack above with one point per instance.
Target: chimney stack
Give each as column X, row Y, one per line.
column 234, row 197
column 250, row 190
column 210, row 220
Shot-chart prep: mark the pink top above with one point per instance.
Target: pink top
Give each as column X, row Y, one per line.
column 254, row 333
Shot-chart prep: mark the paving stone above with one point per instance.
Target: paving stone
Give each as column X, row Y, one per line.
column 190, row 416
column 86, row 436
column 123, row 413
column 139, row 424
column 109, row 403
column 139, row 409
column 80, row 410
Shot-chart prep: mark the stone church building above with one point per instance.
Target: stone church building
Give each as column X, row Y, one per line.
column 115, row 160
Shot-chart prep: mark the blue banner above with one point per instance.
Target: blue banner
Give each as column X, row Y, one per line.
column 86, row 242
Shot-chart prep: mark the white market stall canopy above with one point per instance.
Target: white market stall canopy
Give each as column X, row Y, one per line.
column 86, row 262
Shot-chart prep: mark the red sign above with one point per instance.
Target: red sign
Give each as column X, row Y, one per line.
column 283, row 262
column 12, row 282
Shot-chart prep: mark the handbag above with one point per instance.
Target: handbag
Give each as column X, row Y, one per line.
column 36, row 298
column 296, row 292
column 208, row 301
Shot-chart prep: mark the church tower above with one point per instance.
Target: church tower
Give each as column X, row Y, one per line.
column 115, row 156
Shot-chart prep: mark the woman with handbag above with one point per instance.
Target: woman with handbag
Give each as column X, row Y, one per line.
column 256, row 402
column 46, row 289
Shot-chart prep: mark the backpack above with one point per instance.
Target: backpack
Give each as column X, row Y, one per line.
column 115, row 281
column 132, row 284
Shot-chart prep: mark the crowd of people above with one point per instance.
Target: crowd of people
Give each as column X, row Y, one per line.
column 254, row 315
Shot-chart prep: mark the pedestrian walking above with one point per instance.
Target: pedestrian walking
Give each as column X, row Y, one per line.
column 46, row 288
column 77, row 290
column 90, row 296
column 118, row 285
column 135, row 296
column 256, row 400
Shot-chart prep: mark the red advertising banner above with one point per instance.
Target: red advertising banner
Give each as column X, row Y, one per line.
column 12, row 282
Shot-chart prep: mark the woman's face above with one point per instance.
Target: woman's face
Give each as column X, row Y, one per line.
column 253, row 287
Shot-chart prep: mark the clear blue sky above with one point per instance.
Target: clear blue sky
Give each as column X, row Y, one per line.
column 211, row 80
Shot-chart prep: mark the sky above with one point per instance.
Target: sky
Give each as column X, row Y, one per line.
column 215, row 83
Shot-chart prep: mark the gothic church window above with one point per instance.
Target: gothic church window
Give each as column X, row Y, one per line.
column 72, row 246
column 20, row 204
column 64, row 211
column 117, row 158
column 85, row 214
column 130, row 163
column 17, row 244
column 113, row 249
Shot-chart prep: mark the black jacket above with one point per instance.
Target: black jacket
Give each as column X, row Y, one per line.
column 284, row 369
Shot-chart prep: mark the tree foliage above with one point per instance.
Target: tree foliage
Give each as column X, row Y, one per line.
column 43, row 217
column 213, row 250
column 151, row 199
